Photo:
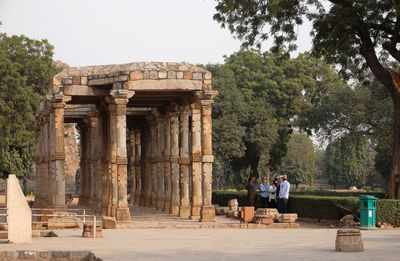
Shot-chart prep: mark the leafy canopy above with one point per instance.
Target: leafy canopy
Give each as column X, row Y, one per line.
column 26, row 68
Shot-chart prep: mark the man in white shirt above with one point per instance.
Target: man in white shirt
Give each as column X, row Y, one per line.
column 284, row 194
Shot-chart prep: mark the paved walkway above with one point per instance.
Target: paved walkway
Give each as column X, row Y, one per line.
column 220, row 244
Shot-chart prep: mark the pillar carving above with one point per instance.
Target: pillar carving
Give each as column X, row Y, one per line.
column 196, row 161
column 207, row 210
column 147, row 176
column 167, row 163
column 132, row 159
column 95, row 145
column 83, row 188
column 184, row 161
column 57, row 154
column 160, row 164
column 105, row 162
column 154, row 165
column 175, row 168
column 138, row 164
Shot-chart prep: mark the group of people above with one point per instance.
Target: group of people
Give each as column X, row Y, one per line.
column 275, row 195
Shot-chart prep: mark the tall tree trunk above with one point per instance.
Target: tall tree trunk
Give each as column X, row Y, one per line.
column 394, row 178
column 254, row 165
column 267, row 172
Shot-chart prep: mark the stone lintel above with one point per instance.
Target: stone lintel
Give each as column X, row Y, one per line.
column 164, row 85
column 84, row 90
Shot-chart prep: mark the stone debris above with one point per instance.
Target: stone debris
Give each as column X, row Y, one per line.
column 349, row 240
column 109, row 222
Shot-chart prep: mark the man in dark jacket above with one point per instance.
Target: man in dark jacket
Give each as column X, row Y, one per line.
column 251, row 191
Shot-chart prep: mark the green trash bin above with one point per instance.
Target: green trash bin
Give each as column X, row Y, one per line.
column 368, row 212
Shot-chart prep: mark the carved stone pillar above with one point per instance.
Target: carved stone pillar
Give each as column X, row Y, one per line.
column 138, row 164
column 154, row 165
column 207, row 210
column 184, row 161
column 39, row 164
column 146, row 174
column 175, row 173
column 132, row 194
column 196, row 161
column 167, row 163
column 160, row 164
column 47, row 188
column 58, row 156
column 87, row 189
column 94, row 156
column 105, row 162
column 83, row 197
column 119, row 129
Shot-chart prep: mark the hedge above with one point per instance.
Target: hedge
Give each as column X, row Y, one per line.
column 322, row 207
column 379, row 195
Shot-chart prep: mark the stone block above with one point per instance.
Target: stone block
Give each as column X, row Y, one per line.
column 279, row 225
column 294, row 225
column 162, row 75
column 76, row 80
column 88, row 230
column 136, row 75
column 207, row 214
column 256, row 226
column 67, row 81
column 232, row 213
column 153, row 75
column 286, row 218
column 19, row 214
column 179, row 75
column 171, row 75
column 83, row 80
column 207, row 76
column 64, row 222
column 349, row 240
column 197, row 76
column 263, row 219
column 109, row 222
column 187, row 75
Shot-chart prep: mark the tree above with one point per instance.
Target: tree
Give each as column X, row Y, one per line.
column 355, row 34
column 260, row 95
column 26, row 69
column 346, row 160
column 299, row 162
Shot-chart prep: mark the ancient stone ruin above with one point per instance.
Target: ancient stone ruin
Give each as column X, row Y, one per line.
column 156, row 117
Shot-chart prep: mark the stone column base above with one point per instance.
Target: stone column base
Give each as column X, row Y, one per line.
column 174, row 208
column 111, row 211
column 195, row 212
column 160, row 204
column 167, row 206
column 123, row 214
column 207, row 213
column 153, row 202
column 147, row 202
column 184, row 211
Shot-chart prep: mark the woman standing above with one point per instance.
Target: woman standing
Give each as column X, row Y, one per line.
column 264, row 188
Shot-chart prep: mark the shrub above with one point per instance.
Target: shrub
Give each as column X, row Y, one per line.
column 322, row 207
column 379, row 195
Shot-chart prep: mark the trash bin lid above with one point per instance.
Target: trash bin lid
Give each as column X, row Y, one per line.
column 367, row 197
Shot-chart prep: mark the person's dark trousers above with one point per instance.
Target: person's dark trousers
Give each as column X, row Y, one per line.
column 251, row 199
column 278, row 205
column 284, row 205
column 264, row 202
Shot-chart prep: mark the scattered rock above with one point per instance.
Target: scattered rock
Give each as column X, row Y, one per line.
column 109, row 222
column 347, row 221
column 48, row 234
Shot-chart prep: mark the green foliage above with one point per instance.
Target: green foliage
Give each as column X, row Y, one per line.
column 221, row 197
column 322, row 207
column 388, row 211
column 299, row 162
column 26, row 69
column 345, row 160
column 379, row 195
column 259, row 96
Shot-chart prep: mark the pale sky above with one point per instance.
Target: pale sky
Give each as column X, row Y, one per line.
column 91, row 32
